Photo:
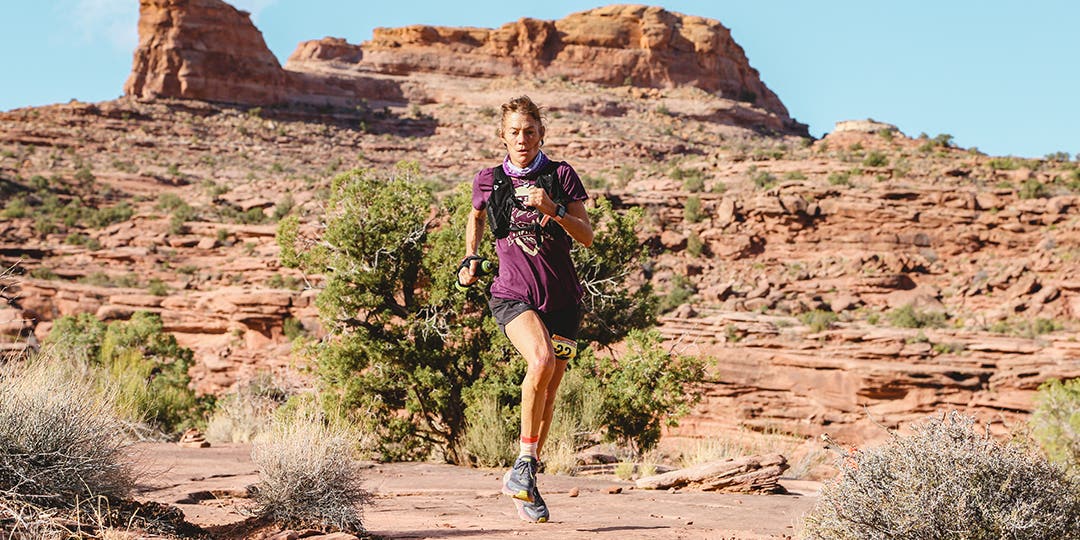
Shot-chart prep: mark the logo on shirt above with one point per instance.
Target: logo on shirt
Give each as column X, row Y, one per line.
column 528, row 240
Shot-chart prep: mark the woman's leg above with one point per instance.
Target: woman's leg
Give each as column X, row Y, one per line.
column 530, row 337
column 549, row 402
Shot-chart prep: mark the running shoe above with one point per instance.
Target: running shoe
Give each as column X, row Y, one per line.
column 534, row 512
column 520, row 481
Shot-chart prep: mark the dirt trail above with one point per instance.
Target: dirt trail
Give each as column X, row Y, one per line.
column 428, row 500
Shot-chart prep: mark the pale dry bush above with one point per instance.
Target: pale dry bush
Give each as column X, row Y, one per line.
column 576, row 424
column 491, row 433
column 61, row 445
column 243, row 414
column 59, row 438
column 945, row 481
column 310, row 472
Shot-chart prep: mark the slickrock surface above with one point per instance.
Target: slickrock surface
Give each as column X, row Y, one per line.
column 427, row 500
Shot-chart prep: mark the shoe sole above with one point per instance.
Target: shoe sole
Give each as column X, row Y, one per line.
column 519, row 494
column 520, row 505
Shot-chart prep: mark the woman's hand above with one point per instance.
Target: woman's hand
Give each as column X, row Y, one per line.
column 538, row 199
column 467, row 275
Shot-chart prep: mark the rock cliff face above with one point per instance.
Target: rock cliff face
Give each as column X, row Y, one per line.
column 203, row 49
column 207, row 50
column 617, row 44
column 612, row 45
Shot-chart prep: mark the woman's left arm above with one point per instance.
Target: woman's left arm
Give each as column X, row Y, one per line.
column 576, row 222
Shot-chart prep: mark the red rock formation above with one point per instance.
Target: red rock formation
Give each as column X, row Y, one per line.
column 639, row 45
column 202, row 49
column 209, row 51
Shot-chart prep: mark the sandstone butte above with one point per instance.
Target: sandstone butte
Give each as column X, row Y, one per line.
column 642, row 101
column 208, row 50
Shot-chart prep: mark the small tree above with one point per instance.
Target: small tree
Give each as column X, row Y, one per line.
column 145, row 364
column 407, row 353
column 644, row 389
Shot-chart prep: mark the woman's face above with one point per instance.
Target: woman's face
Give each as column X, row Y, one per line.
column 521, row 134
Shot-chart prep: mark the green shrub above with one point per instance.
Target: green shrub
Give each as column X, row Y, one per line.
column 945, row 481
column 875, row 159
column 169, row 202
column 840, row 179
column 1055, row 422
column 694, row 245
column 643, row 389
column 692, row 209
column 103, row 217
column 1033, row 189
column 292, row 328
column 157, row 287
column 908, row 317
column 1004, row 164
column 1026, row 327
column 682, row 290
column 818, row 320
column 761, row 179
column 145, row 364
column 943, row 140
column 310, row 474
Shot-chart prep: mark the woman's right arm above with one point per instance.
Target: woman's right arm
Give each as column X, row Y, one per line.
column 474, row 233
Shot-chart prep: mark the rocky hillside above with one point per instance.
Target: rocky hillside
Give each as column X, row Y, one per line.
column 868, row 277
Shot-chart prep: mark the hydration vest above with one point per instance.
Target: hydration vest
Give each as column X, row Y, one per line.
column 502, row 201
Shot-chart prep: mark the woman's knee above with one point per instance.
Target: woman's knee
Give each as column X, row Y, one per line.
column 542, row 365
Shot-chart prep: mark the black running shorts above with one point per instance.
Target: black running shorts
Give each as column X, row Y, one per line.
column 564, row 322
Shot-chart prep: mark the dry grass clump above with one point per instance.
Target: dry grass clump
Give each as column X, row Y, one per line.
column 310, row 473
column 61, row 445
column 744, row 443
column 243, row 414
column 577, row 423
column 491, row 433
column 945, row 481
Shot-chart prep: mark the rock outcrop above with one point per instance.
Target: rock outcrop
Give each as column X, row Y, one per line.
column 751, row 474
column 208, row 50
column 613, row 45
column 205, row 50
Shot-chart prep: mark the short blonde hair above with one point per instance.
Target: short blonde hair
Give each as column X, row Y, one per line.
column 523, row 105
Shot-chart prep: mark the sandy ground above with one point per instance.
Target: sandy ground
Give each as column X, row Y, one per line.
column 428, row 500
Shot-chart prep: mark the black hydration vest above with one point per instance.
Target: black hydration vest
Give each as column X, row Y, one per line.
column 502, row 201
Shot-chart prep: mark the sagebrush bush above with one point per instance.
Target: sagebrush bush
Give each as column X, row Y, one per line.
column 60, row 441
column 909, row 317
column 945, row 481
column 310, row 474
column 1055, row 422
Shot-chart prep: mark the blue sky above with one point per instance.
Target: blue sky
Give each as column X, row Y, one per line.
column 999, row 75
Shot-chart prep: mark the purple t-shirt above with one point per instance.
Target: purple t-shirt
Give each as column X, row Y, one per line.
column 538, row 272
